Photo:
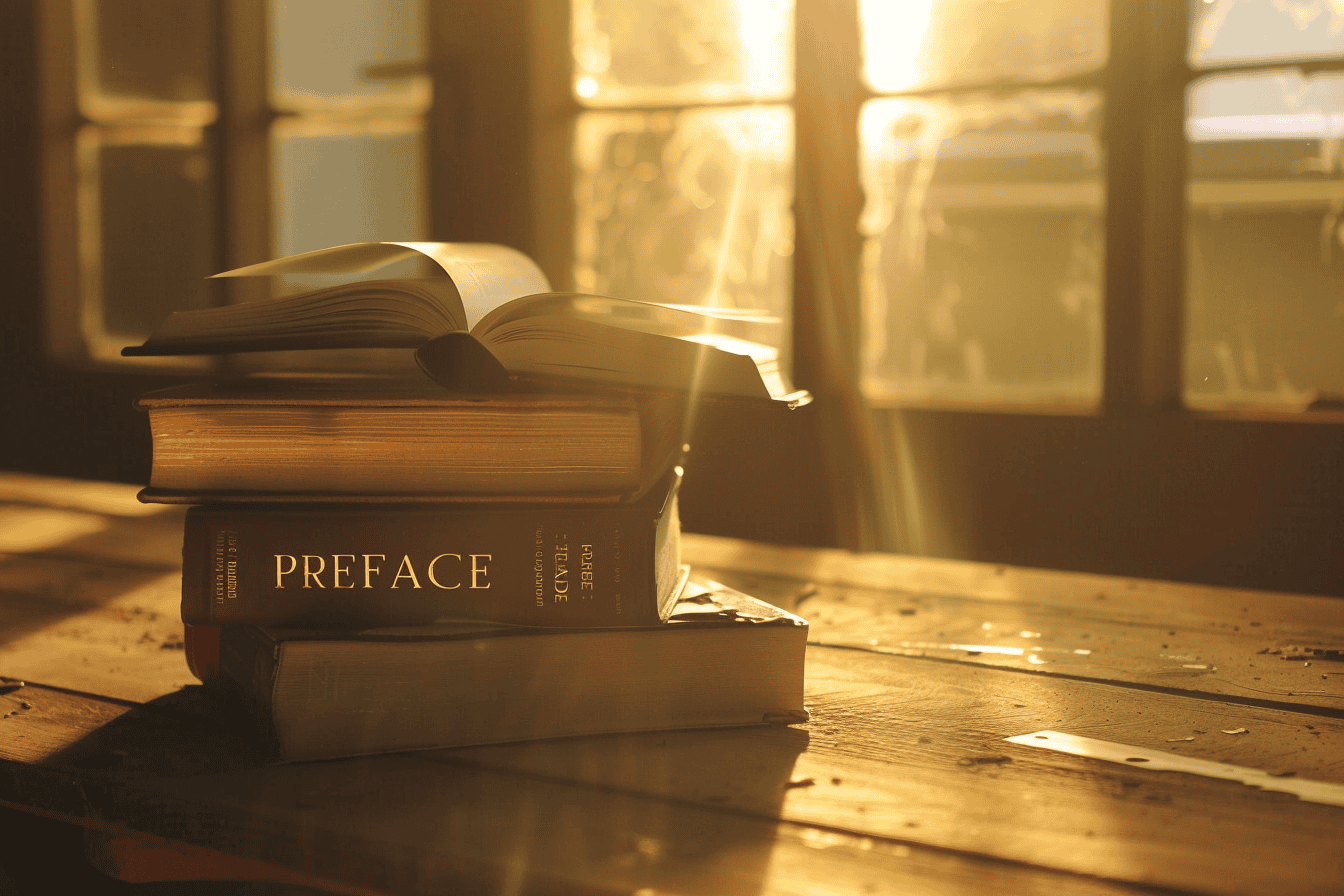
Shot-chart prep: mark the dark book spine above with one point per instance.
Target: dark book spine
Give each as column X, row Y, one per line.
column 549, row 565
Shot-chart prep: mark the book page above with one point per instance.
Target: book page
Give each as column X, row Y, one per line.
column 677, row 321
column 486, row 275
column 567, row 348
column 644, row 344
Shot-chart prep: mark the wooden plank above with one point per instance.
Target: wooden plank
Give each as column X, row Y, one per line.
column 103, row 628
column 909, row 750
column 407, row 824
column 1284, row 663
column 153, row 541
column 1254, row 646
column 90, row 588
column 39, row 723
column 996, row 582
column 901, row 752
column 108, row 498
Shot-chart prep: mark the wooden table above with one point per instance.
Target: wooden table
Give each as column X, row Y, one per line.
column 903, row 782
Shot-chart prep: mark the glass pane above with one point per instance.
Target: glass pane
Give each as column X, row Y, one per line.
column 1227, row 32
column 673, row 52
column 913, row 44
column 335, row 186
column 691, row 207
column 148, row 218
column 1265, row 313
column 136, row 57
column 982, row 261
column 342, row 53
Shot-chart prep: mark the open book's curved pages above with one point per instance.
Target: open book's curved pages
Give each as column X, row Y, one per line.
column 498, row 298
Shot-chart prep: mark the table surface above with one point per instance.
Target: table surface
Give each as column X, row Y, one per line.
column 904, row 781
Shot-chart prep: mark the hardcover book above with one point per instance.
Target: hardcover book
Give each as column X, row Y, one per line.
column 723, row 659
column 547, row 564
column 290, row 436
column 486, row 321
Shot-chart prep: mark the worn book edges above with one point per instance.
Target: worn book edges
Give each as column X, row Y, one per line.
column 488, row 322
column 555, row 564
column 290, row 436
column 723, row 659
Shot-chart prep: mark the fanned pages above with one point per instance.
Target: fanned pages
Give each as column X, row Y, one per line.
column 495, row 298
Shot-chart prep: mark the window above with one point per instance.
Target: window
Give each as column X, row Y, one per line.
column 183, row 139
column 683, row 152
column 1265, row 287
column 130, row 109
column 1064, row 274
column 981, row 164
column 1093, row 309
column 984, row 164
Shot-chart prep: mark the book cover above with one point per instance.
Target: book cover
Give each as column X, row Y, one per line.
column 545, row 564
column 722, row 659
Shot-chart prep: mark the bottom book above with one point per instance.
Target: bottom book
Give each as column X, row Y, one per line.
column 723, row 659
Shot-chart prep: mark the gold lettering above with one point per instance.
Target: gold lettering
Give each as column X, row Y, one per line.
column 280, row 572
column 308, row 572
column 406, row 571
column 371, row 570
column 337, row 570
column 436, row 582
column 479, row 571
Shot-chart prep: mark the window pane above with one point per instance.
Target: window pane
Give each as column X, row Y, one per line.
column 681, row 51
column 912, row 44
column 1265, row 297
column 343, row 53
column 147, row 225
column 982, row 262
column 137, row 57
column 690, row 207
column 335, row 185
column 1225, row 32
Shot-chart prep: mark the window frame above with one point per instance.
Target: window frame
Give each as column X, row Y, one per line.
column 1138, row 483
column 237, row 128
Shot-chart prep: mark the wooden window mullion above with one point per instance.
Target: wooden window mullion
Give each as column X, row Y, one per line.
column 1145, row 207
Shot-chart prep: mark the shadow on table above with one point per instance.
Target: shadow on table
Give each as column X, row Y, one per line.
column 680, row 810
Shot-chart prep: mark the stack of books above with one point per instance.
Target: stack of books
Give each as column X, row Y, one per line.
column 478, row 547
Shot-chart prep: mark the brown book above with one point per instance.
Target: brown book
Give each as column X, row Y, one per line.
column 200, row 643
column 485, row 320
column 547, row 564
column 284, row 437
column 723, row 659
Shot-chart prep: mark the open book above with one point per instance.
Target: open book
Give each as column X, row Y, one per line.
column 487, row 320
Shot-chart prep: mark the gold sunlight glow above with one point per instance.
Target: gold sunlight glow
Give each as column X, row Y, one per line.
column 586, row 87
column 25, row 529
column 679, row 52
column 765, row 29
column 893, row 42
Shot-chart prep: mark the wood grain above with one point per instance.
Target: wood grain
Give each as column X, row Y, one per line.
column 902, row 782
column 899, row 752
column 914, row 752
column 102, row 628
column 428, row 824
column 1246, row 645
